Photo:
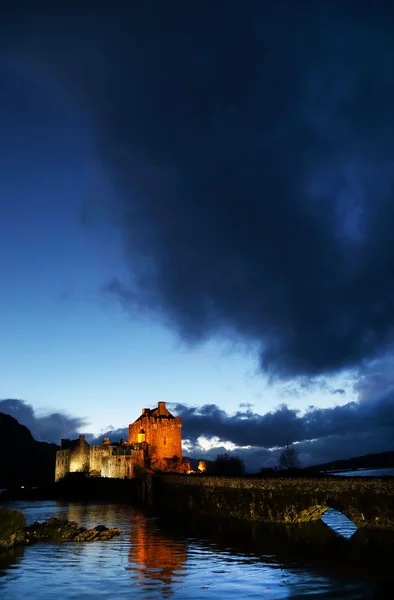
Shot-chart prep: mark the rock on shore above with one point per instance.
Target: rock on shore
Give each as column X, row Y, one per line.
column 13, row 531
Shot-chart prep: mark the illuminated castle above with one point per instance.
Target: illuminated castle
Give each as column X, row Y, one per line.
column 155, row 442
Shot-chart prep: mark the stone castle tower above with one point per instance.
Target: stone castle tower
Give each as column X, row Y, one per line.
column 161, row 432
column 155, row 441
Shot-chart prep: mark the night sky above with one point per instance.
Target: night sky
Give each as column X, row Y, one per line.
column 197, row 207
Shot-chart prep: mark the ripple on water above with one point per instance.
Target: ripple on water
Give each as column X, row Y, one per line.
column 153, row 560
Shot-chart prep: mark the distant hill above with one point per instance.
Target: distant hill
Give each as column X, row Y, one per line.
column 24, row 461
column 368, row 461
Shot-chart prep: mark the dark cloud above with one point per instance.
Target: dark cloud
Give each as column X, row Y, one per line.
column 250, row 151
column 47, row 428
column 302, row 387
column 243, row 428
column 113, row 434
column 321, row 434
column 283, row 425
column 376, row 381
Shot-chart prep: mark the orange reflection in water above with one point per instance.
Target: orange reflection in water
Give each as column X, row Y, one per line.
column 155, row 557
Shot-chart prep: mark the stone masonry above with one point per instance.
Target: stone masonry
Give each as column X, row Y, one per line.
column 161, row 431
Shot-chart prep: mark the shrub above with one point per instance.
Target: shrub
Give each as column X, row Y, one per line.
column 11, row 521
column 232, row 466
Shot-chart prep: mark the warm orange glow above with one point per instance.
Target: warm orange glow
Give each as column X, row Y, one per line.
column 155, row 557
column 76, row 465
column 202, row 466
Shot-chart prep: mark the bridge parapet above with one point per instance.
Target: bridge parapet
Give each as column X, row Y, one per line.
column 368, row 502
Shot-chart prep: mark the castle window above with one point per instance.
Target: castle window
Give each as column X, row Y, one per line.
column 165, row 440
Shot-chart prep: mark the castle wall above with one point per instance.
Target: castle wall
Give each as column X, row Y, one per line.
column 75, row 458
column 99, row 456
column 62, row 463
column 115, row 462
column 107, row 460
column 80, row 456
column 163, row 436
column 123, row 467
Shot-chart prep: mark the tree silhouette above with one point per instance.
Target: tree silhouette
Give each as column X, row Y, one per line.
column 289, row 459
column 229, row 465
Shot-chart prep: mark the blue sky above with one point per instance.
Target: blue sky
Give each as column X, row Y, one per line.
column 65, row 345
column 263, row 216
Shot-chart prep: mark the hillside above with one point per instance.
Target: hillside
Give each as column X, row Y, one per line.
column 367, row 461
column 24, row 461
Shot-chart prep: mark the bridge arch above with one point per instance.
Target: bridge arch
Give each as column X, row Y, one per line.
column 335, row 518
column 339, row 523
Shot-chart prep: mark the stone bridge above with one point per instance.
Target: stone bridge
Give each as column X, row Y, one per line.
column 367, row 501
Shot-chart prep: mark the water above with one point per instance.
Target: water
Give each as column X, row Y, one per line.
column 368, row 473
column 156, row 559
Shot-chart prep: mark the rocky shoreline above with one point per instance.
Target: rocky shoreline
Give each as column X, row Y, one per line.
column 13, row 531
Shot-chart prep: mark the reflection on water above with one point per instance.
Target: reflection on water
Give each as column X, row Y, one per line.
column 154, row 557
column 157, row 559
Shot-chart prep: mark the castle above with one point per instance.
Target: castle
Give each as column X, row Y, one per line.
column 154, row 442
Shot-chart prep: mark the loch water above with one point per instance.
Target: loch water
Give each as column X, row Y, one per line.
column 384, row 472
column 154, row 558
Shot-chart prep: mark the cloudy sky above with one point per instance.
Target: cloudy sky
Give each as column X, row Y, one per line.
column 197, row 207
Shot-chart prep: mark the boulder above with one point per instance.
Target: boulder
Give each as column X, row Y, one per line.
column 11, row 528
column 13, row 532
